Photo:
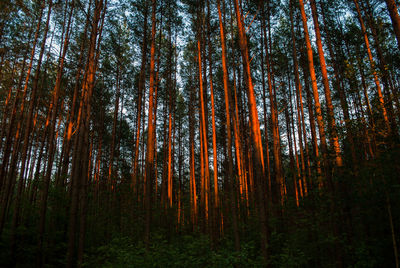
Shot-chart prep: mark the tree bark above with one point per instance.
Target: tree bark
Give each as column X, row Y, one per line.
column 334, row 139
column 257, row 150
column 320, row 121
column 394, row 16
column 374, row 73
column 227, row 95
column 151, row 132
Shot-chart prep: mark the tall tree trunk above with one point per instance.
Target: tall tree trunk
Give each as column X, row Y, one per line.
column 274, row 114
column 340, row 89
column 203, row 124
column 390, row 92
column 299, row 100
column 227, row 95
column 334, row 139
column 214, row 132
column 141, row 86
column 263, row 42
column 72, row 110
column 394, row 15
column 317, row 104
column 80, row 158
column 257, row 150
column 371, row 60
column 151, row 132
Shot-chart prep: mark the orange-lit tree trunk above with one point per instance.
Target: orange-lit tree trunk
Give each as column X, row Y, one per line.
column 299, row 102
column 390, row 92
column 227, row 95
column 203, row 128
column 317, row 104
column 257, row 150
column 71, row 121
column 151, row 132
column 80, row 161
column 334, row 139
column 255, row 125
column 374, row 73
column 340, row 90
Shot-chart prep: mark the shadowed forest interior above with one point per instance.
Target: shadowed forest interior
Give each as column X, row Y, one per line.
column 199, row 133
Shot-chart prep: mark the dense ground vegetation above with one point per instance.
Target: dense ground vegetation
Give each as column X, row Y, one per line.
column 225, row 133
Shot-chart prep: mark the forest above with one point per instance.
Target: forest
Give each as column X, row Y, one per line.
column 199, row 133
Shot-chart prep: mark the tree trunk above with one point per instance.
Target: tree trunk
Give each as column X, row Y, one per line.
column 317, row 104
column 151, row 132
column 139, row 102
column 80, row 157
column 394, row 15
column 254, row 128
column 376, row 79
column 227, row 95
column 334, row 139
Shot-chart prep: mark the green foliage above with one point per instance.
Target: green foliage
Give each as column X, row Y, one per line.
column 182, row 251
